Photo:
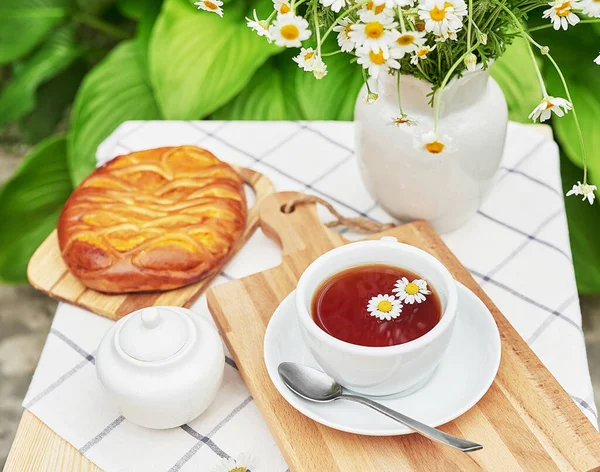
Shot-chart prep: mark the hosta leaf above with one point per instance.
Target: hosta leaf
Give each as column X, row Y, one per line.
column 52, row 100
column 24, row 23
column 18, row 96
column 199, row 61
column 264, row 98
column 30, row 203
column 280, row 90
column 116, row 90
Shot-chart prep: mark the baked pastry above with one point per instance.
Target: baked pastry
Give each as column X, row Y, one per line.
column 152, row 220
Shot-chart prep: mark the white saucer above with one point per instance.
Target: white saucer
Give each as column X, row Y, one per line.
column 462, row 378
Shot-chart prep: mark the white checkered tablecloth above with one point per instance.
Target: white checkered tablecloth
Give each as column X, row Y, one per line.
column 516, row 247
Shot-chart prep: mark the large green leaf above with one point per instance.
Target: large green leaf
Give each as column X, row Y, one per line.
column 331, row 98
column 18, row 96
column 280, row 90
column 116, row 90
column 199, row 61
column 264, row 98
column 24, row 23
column 52, row 101
column 30, row 203
column 515, row 73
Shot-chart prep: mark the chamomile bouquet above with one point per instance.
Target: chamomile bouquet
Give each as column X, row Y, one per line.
column 433, row 40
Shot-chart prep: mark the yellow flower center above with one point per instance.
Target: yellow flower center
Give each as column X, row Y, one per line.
column 377, row 9
column 422, row 52
column 374, row 29
column 284, row 9
column 412, row 288
column 211, row 5
column 548, row 104
column 239, row 469
column 438, row 14
column 308, row 55
column 377, row 57
column 434, row 147
column 407, row 39
column 349, row 28
column 384, row 306
column 563, row 9
column 290, row 32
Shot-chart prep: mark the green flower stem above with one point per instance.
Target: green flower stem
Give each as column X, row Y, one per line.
column 326, row 54
column 545, row 52
column 470, row 17
column 574, row 112
column 364, row 74
column 100, row 25
column 549, row 25
column 399, row 98
column 423, row 72
column 341, row 17
column 317, row 28
column 401, row 16
column 445, row 82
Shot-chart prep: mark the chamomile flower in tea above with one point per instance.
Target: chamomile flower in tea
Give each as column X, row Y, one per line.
column 411, row 292
column 384, row 307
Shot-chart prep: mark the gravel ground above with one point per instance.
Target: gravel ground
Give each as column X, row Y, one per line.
column 25, row 317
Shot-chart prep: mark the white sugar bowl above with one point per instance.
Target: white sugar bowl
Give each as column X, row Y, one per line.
column 162, row 366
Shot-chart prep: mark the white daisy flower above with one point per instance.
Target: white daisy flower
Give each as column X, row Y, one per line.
column 406, row 43
column 335, row 5
column 561, row 15
column 211, row 5
column 544, row 110
column 289, row 30
column 376, row 62
column 421, row 54
column 282, row 6
column 241, row 463
column 306, row 59
column 260, row 26
column 597, row 60
column 586, row 190
column 374, row 32
column 449, row 35
column 343, row 29
column 441, row 16
column 590, row 7
column 384, row 307
column 411, row 292
column 404, row 119
column 434, row 144
column 378, row 7
column 319, row 68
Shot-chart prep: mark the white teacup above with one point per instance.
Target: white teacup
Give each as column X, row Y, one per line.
column 378, row 370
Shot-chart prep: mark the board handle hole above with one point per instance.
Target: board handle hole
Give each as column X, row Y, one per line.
column 286, row 208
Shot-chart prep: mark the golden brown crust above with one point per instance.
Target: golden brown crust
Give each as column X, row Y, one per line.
column 152, row 220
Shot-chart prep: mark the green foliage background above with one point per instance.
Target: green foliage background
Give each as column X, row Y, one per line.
column 93, row 64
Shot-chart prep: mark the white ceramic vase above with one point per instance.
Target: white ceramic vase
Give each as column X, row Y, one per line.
column 409, row 183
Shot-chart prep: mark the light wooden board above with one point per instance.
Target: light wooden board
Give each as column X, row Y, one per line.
column 48, row 272
column 526, row 421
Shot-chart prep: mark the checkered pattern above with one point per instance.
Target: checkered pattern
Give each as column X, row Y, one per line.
column 516, row 247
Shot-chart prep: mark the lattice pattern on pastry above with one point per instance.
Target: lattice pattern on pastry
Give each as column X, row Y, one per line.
column 169, row 209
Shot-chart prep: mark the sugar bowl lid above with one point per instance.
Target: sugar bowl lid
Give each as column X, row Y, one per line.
column 153, row 334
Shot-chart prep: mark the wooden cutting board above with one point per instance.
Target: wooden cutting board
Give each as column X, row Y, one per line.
column 48, row 272
column 526, row 421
